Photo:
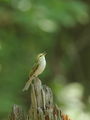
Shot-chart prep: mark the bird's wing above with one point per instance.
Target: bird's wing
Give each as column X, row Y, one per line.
column 34, row 68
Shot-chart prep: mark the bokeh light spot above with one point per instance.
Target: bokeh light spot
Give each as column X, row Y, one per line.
column 47, row 25
column 24, row 5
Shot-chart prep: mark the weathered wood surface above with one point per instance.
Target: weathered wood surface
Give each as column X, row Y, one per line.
column 42, row 106
column 17, row 113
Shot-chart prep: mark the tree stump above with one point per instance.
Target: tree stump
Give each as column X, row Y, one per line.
column 42, row 106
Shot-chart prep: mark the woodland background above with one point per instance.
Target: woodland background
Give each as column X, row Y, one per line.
column 62, row 29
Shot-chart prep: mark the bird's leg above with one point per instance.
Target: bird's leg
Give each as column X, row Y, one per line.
column 37, row 78
column 34, row 76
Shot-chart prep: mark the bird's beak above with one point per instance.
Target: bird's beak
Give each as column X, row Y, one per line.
column 44, row 53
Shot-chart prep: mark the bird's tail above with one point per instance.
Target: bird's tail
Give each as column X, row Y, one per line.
column 26, row 87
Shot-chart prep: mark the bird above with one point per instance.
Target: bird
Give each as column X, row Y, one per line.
column 37, row 69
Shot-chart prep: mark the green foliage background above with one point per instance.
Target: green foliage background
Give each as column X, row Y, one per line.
column 62, row 29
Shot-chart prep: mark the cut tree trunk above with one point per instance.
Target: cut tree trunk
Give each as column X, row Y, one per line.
column 42, row 106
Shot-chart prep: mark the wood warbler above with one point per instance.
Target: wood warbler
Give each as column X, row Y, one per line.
column 37, row 69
